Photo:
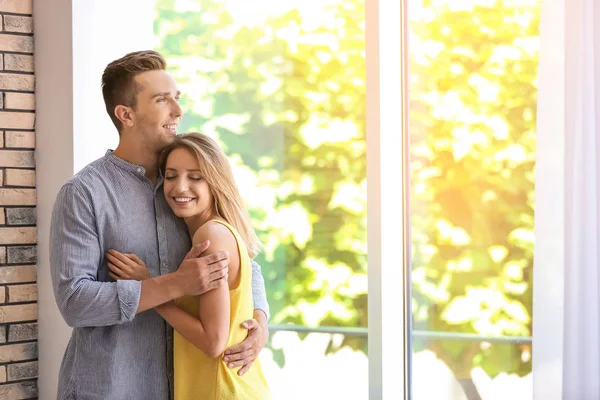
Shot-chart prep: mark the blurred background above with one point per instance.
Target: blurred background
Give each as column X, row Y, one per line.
column 282, row 86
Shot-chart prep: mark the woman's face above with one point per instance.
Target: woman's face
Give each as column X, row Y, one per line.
column 186, row 190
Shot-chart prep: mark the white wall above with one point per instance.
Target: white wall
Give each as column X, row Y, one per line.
column 74, row 41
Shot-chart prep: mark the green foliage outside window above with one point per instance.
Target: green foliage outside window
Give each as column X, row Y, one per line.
column 286, row 98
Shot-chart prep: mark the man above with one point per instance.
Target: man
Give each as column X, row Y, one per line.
column 120, row 348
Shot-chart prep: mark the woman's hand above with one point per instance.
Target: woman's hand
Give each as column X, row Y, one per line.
column 126, row 266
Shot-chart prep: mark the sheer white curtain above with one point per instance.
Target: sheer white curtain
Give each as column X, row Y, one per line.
column 566, row 312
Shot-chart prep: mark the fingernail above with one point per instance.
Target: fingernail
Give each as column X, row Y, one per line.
column 245, row 325
column 230, row 365
column 227, row 352
column 226, row 359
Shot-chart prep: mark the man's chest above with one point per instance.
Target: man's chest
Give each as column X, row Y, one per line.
column 142, row 223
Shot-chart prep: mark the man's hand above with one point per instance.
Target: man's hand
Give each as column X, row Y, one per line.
column 246, row 352
column 198, row 274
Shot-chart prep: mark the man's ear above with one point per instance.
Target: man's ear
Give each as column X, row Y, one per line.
column 125, row 115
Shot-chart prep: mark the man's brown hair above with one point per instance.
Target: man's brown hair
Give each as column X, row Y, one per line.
column 118, row 80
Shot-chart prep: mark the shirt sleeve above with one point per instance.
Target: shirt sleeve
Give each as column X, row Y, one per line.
column 259, row 293
column 75, row 256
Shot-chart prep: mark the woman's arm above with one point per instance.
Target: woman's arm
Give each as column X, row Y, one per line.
column 210, row 329
column 196, row 275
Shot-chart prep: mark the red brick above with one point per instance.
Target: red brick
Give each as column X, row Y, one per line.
column 18, row 352
column 16, row 6
column 17, row 120
column 16, row 23
column 10, row 81
column 18, row 43
column 24, row 140
column 19, row 101
column 17, row 158
column 18, row 313
column 17, row 197
column 18, row 62
column 18, row 235
column 18, row 274
column 20, row 177
column 21, row 293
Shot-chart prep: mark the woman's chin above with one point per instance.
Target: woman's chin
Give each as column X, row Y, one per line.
column 182, row 213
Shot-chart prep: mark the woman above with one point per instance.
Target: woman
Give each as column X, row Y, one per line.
column 200, row 188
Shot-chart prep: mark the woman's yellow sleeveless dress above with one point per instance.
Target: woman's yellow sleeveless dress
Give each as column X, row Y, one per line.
column 198, row 377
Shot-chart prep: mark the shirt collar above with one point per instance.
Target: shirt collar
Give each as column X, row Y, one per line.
column 135, row 169
column 126, row 165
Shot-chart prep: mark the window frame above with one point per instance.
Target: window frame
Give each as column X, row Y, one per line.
column 388, row 228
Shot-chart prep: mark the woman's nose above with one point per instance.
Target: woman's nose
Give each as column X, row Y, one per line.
column 181, row 185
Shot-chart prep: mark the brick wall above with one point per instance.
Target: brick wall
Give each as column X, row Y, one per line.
column 18, row 291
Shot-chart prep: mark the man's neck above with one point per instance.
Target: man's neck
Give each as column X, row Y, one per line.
column 139, row 154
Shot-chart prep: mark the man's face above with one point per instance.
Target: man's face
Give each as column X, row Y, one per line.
column 157, row 111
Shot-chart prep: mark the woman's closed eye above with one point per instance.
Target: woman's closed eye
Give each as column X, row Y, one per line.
column 193, row 178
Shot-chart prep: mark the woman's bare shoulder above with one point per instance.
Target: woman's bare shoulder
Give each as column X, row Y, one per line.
column 219, row 235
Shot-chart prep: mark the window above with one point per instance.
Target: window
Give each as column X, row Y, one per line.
column 282, row 86
column 473, row 98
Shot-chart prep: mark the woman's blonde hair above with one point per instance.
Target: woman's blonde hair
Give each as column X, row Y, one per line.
column 216, row 170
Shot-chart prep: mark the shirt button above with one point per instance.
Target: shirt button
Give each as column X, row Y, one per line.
column 139, row 170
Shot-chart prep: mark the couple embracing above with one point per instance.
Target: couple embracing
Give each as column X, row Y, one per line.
column 150, row 252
